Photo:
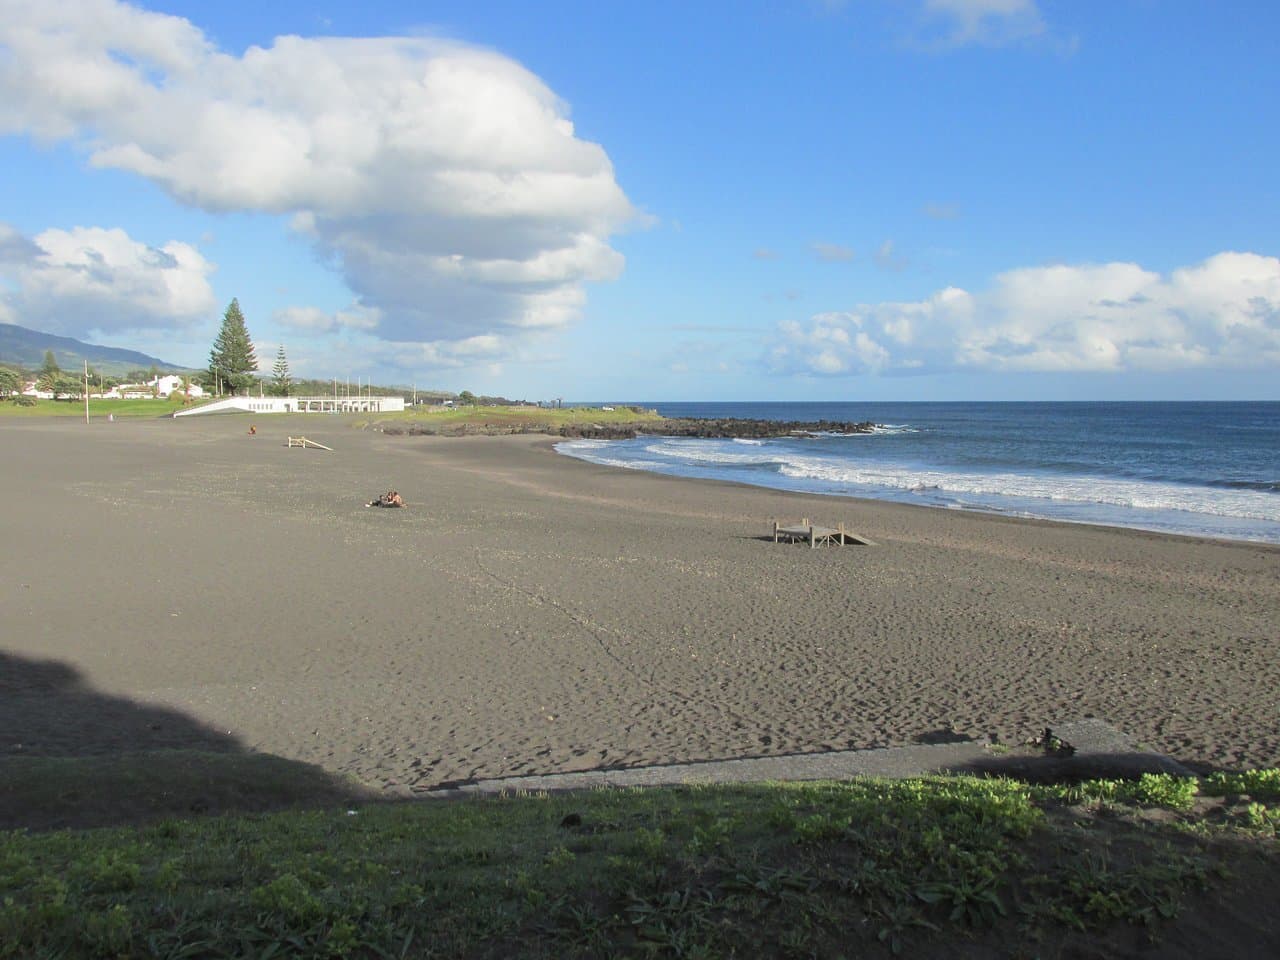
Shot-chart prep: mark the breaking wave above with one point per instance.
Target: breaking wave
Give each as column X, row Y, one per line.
column 831, row 465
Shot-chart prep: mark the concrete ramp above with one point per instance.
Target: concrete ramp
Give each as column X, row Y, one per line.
column 225, row 405
column 1095, row 749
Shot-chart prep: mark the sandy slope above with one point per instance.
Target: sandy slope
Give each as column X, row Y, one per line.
column 532, row 613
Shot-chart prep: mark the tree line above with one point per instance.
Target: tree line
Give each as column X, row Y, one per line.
column 232, row 370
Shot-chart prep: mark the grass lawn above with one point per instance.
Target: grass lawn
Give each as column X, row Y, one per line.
column 98, row 409
column 934, row 867
column 456, row 421
column 464, row 419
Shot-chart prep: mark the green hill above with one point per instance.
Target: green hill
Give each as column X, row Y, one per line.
column 24, row 347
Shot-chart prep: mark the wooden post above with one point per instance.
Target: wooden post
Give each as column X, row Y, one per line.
column 775, row 531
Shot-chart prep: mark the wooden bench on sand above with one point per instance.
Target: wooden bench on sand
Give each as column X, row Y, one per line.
column 804, row 530
column 304, row 443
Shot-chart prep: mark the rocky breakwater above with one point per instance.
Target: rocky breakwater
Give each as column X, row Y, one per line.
column 725, row 427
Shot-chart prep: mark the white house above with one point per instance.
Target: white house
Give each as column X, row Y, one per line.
column 172, row 382
column 159, row 387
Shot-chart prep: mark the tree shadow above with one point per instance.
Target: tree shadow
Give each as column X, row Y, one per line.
column 47, row 710
column 72, row 756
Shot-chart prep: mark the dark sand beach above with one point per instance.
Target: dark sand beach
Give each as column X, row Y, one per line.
column 529, row 613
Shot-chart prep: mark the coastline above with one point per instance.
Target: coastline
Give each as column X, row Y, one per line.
column 533, row 613
column 1198, row 470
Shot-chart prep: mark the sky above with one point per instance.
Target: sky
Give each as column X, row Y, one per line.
column 792, row 200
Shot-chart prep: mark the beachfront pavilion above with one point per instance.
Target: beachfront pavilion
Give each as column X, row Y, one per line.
column 338, row 404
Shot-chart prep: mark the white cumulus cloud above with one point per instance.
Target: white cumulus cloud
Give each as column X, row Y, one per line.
column 986, row 22
column 479, row 351
column 93, row 279
column 1221, row 313
column 312, row 320
column 444, row 181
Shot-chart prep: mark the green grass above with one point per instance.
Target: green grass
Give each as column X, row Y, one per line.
column 98, row 409
column 458, row 420
column 462, row 420
column 1149, row 790
column 811, row 869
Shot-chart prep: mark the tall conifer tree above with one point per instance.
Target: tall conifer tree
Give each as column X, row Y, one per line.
column 281, row 381
column 232, row 360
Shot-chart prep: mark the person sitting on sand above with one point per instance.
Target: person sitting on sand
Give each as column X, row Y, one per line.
column 388, row 499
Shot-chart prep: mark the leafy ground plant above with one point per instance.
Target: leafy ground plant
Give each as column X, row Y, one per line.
column 868, row 867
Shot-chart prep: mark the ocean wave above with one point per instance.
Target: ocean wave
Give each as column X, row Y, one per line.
column 1232, row 507
column 1163, row 467
column 888, row 429
column 877, row 430
column 1266, row 486
column 581, row 446
column 1131, row 494
column 708, row 452
column 593, row 451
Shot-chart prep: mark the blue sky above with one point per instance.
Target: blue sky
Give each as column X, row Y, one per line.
column 870, row 199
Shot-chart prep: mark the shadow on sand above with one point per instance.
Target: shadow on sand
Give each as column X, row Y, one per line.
column 71, row 756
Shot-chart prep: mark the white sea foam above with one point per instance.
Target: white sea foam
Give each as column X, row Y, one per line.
column 835, row 474
column 706, row 451
column 877, row 430
column 835, row 465
column 894, row 428
column 1132, row 494
column 581, row 446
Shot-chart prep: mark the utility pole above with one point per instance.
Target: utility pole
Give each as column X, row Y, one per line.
column 86, row 391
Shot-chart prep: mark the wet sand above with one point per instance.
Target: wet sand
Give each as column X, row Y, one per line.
column 529, row 613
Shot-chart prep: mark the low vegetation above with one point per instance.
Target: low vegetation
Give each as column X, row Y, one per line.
column 460, row 420
column 98, row 408
column 869, row 867
column 467, row 419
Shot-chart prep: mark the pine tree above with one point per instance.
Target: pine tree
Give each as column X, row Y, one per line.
column 281, row 381
column 50, row 366
column 232, row 360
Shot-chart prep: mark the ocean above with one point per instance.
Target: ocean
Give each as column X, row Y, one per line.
column 1202, row 469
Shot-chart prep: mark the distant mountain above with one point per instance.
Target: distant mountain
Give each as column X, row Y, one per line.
column 19, row 345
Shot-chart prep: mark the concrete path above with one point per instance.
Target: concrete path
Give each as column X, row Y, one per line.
column 1096, row 749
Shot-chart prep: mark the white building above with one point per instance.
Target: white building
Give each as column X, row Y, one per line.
column 168, row 384
column 335, row 404
column 159, row 387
